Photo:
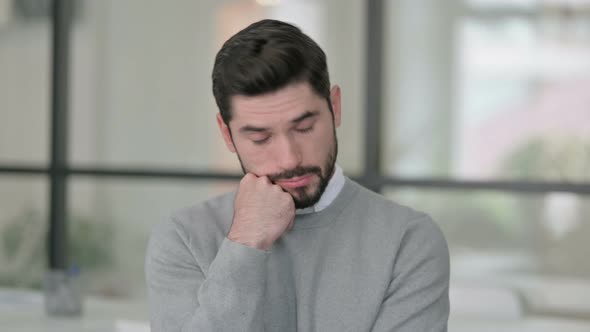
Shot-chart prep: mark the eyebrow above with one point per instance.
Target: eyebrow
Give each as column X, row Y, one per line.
column 249, row 128
column 306, row 115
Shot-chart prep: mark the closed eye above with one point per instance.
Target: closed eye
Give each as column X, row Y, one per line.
column 260, row 141
column 304, row 130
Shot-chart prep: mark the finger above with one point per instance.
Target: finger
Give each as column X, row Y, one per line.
column 264, row 179
column 248, row 177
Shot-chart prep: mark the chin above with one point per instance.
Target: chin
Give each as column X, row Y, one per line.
column 305, row 196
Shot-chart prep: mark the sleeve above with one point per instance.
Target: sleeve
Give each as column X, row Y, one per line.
column 229, row 297
column 417, row 298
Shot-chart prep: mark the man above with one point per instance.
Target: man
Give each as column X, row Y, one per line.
column 298, row 246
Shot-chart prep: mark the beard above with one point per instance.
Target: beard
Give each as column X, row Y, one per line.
column 307, row 196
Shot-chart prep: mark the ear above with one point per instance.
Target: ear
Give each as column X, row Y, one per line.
column 225, row 133
column 336, row 99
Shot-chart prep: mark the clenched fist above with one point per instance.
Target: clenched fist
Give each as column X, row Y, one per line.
column 262, row 212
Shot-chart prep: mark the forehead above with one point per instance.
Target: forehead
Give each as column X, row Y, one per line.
column 282, row 104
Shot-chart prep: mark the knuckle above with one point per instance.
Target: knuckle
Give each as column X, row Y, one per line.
column 288, row 200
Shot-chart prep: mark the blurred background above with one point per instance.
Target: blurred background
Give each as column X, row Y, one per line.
column 475, row 111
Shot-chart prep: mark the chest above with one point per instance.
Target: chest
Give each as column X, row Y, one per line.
column 317, row 282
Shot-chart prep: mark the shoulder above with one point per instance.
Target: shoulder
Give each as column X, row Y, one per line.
column 199, row 226
column 396, row 220
column 203, row 214
column 381, row 208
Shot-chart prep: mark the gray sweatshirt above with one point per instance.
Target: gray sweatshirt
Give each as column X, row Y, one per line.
column 363, row 263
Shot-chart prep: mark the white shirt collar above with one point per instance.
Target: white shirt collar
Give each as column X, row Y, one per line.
column 332, row 190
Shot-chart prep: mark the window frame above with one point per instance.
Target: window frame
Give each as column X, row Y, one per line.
column 60, row 169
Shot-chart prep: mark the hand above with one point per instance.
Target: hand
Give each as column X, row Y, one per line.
column 262, row 212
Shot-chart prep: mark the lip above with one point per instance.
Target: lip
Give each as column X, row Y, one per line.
column 297, row 182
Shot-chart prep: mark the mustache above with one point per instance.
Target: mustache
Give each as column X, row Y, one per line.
column 299, row 171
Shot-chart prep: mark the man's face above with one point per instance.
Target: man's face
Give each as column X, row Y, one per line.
column 288, row 135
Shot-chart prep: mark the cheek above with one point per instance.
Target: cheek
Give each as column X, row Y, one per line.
column 255, row 159
column 244, row 151
column 318, row 146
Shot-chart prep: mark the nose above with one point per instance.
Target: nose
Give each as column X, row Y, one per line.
column 288, row 153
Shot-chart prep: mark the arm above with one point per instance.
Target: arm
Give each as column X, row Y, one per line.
column 228, row 297
column 418, row 296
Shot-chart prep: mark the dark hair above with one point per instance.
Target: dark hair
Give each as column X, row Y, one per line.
column 264, row 57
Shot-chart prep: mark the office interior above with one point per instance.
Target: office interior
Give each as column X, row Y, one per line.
column 474, row 111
